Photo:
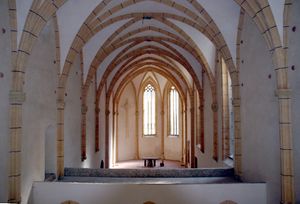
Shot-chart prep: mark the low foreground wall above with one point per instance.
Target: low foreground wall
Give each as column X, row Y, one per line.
column 113, row 193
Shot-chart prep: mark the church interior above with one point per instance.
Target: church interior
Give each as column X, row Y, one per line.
column 150, row 101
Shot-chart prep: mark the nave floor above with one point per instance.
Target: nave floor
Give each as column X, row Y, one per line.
column 139, row 164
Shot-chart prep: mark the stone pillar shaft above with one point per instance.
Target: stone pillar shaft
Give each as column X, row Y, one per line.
column 192, row 130
column 16, row 99
column 97, row 112
column 225, row 113
column 60, row 138
column 286, row 146
column 83, row 131
column 162, row 132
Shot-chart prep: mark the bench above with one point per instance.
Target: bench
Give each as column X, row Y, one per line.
column 150, row 161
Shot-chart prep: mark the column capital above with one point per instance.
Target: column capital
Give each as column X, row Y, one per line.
column 236, row 101
column 283, row 93
column 17, row 97
column 214, row 107
column 60, row 103
column 107, row 112
column 84, row 109
column 97, row 110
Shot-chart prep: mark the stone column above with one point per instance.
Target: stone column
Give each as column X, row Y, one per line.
column 115, row 134
column 286, row 146
column 225, row 113
column 16, row 99
column 214, row 107
column 192, row 110
column 106, row 160
column 137, row 132
column 84, row 110
column 60, row 137
column 162, row 133
column 182, row 133
column 202, row 141
column 237, row 137
column 97, row 112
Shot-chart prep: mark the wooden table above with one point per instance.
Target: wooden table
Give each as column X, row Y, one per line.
column 150, row 161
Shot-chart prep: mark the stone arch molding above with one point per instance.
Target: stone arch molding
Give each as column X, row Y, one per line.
column 37, row 18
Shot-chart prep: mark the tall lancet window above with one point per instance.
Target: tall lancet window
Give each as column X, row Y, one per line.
column 149, row 111
column 174, row 112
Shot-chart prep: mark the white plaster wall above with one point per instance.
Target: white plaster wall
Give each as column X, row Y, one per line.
column 197, row 68
column 146, row 23
column 50, row 149
column 259, row 113
column 49, row 193
column 127, row 141
column 106, row 62
column 173, row 147
column 91, row 48
column 277, row 7
column 148, row 7
column 22, row 12
column 207, row 48
column 172, row 144
column 220, row 106
column 206, row 159
column 151, row 145
column 5, row 82
column 72, row 117
column 70, row 17
column 92, row 160
column 39, row 109
column 294, row 77
column 226, row 16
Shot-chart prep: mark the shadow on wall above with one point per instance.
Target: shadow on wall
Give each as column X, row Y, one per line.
column 50, row 149
column 69, row 202
column 228, row 202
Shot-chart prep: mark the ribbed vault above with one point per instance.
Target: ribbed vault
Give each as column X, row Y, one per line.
column 117, row 38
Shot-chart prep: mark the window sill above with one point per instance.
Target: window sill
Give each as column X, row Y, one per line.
column 150, row 136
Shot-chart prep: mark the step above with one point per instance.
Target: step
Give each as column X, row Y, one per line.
column 149, row 173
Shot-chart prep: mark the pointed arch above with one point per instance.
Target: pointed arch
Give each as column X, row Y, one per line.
column 150, row 90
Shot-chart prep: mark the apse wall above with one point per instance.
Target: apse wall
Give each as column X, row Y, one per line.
column 126, row 127
column 5, row 82
column 39, row 110
column 294, row 78
column 259, row 113
column 173, row 145
column 150, row 146
column 126, row 124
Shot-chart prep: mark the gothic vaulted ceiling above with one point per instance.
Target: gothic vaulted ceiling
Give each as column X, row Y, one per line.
column 180, row 36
